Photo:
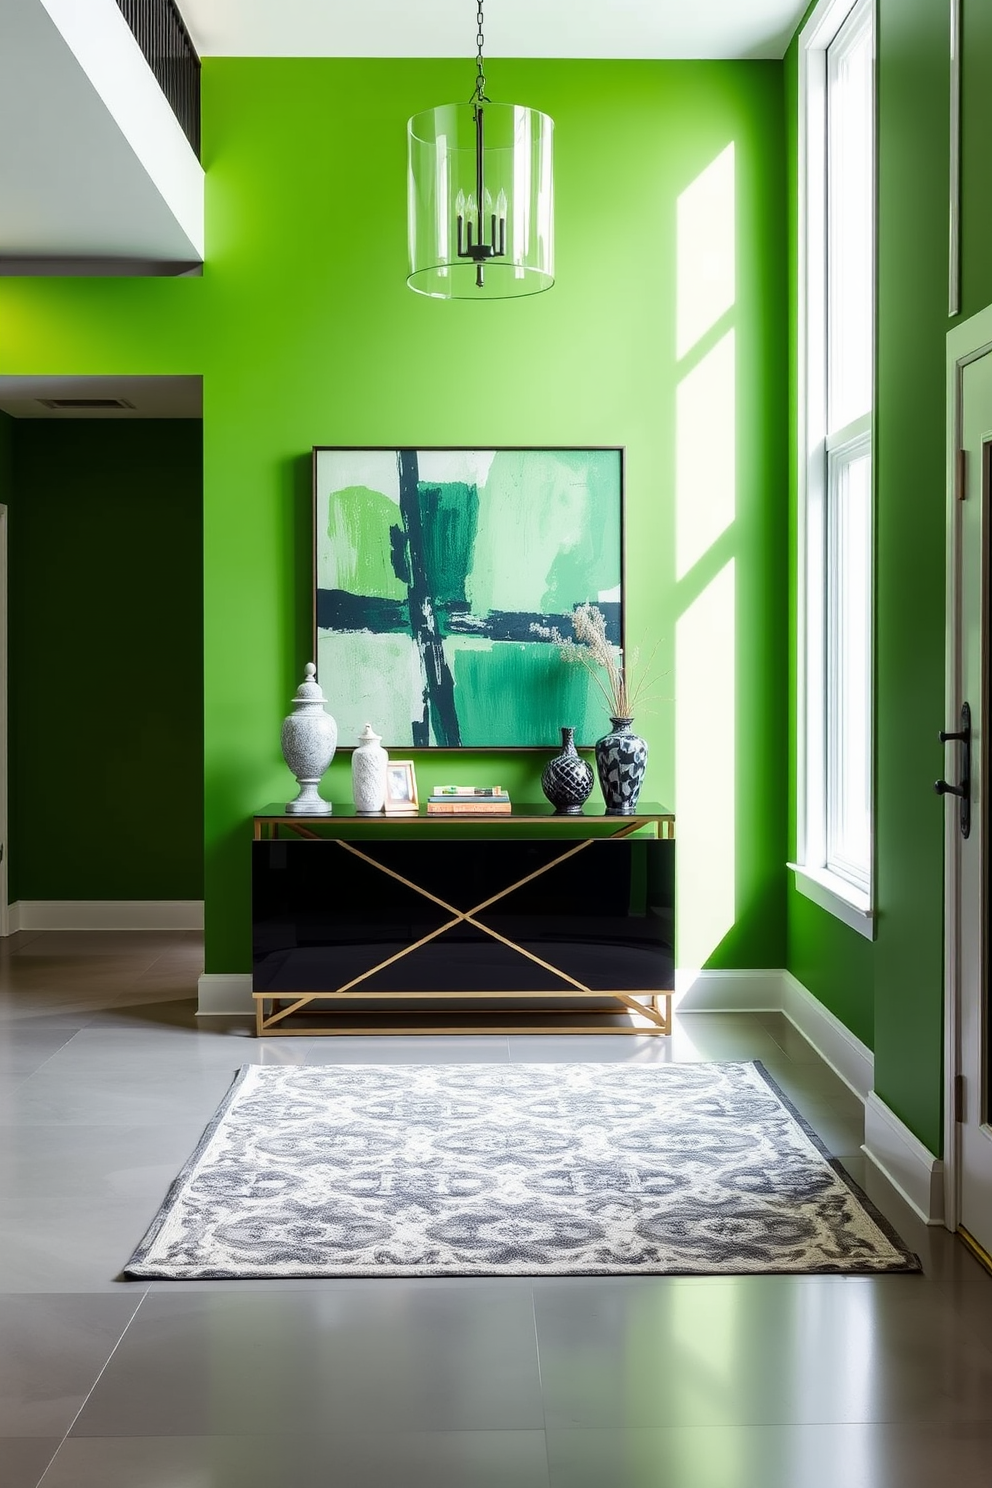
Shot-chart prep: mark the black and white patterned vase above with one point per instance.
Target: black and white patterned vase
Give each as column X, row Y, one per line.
column 567, row 779
column 621, row 759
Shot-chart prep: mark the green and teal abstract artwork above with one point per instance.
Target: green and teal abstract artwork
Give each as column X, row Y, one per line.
column 434, row 569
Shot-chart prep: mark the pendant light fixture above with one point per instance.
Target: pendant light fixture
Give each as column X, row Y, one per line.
column 480, row 198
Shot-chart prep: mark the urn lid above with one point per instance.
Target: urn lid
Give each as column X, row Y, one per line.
column 309, row 690
column 369, row 735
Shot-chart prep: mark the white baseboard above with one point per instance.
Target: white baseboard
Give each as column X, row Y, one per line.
column 106, row 914
column 900, row 1157
column 223, row 993
column 836, row 1045
column 745, row 991
column 775, row 990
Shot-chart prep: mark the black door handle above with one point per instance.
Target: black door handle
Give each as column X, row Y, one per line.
column 961, row 736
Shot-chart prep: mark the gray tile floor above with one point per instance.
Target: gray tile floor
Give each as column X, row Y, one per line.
column 622, row 1382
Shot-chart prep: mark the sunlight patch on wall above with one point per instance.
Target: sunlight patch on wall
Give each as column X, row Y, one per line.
column 705, row 509
column 705, row 454
column 706, row 251
column 705, row 759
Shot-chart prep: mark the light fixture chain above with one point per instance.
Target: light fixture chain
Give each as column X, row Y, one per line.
column 480, row 81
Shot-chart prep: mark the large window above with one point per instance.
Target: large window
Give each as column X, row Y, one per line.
column 836, row 318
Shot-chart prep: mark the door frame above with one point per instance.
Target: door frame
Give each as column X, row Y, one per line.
column 966, row 343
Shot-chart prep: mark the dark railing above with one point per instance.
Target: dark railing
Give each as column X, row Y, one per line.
column 159, row 31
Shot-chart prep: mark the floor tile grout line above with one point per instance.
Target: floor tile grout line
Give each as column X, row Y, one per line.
column 55, row 1053
column 540, row 1381
column 89, row 1394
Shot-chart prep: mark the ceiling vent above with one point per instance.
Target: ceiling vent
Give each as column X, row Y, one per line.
column 80, row 404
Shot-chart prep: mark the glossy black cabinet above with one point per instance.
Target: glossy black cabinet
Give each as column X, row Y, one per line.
column 369, row 929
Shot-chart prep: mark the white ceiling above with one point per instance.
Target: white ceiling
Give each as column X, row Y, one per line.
column 151, row 397
column 513, row 28
column 71, row 183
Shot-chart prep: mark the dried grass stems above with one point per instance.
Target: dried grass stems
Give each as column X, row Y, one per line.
column 602, row 660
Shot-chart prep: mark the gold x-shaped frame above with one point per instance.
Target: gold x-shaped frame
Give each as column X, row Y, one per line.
column 660, row 1021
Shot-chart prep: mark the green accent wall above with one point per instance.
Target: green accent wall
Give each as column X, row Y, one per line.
column 105, row 659
column 305, row 333
column 890, row 992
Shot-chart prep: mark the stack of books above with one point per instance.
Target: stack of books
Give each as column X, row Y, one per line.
column 467, row 800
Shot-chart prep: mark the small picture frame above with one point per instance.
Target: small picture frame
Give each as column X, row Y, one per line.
column 401, row 786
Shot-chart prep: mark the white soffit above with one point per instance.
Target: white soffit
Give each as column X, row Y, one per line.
column 513, row 28
column 93, row 162
column 149, row 397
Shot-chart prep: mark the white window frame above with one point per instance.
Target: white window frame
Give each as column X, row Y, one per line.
column 850, row 896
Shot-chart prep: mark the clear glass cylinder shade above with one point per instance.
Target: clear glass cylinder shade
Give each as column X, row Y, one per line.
column 517, row 201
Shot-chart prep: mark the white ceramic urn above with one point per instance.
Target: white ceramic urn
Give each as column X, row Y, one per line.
column 309, row 739
column 368, row 773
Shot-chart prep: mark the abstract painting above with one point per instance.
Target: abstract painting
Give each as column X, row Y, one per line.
column 434, row 572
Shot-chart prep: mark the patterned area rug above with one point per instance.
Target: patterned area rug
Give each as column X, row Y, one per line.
column 511, row 1169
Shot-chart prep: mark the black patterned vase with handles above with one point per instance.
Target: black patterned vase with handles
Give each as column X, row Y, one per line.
column 621, row 759
column 567, row 779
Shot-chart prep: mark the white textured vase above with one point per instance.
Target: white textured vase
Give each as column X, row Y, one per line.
column 368, row 773
column 309, row 739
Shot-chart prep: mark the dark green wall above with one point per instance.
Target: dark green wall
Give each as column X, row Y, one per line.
column 910, row 517
column 976, row 157
column 6, row 457
column 895, row 986
column 106, row 659
column 305, row 333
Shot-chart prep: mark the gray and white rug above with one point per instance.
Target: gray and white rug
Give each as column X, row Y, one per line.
column 511, row 1169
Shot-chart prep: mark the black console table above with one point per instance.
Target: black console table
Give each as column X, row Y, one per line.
column 526, row 921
